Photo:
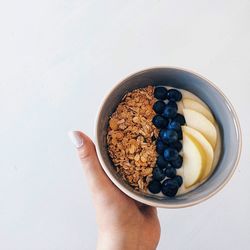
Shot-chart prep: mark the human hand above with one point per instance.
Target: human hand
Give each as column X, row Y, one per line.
column 123, row 223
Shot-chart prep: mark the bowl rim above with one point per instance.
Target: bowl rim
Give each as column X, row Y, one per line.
column 155, row 203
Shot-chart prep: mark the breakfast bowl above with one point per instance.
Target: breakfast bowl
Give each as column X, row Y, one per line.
column 221, row 109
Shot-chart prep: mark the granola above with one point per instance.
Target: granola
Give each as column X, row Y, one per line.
column 131, row 137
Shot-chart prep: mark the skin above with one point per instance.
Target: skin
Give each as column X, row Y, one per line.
column 123, row 223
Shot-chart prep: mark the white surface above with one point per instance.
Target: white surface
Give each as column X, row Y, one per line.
column 57, row 60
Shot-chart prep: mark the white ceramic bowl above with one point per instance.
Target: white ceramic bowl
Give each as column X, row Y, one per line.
column 212, row 96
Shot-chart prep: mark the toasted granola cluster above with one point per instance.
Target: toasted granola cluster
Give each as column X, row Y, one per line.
column 131, row 137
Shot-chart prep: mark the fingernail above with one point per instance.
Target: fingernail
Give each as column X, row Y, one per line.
column 76, row 138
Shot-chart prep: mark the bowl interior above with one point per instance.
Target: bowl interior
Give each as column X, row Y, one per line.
column 221, row 108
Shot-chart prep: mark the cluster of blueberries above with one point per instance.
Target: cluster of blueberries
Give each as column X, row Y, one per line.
column 168, row 144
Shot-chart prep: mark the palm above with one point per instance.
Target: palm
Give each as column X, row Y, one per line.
column 123, row 212
column 121, row 221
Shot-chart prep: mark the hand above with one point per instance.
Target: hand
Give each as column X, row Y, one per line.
column 123, row 223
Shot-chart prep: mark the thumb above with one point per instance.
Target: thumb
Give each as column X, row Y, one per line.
column 96, row 177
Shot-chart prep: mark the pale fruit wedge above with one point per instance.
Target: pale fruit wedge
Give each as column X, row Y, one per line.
column 188, row 95
column 198, row 121
column 194, row 105
column 194, row 160
column 180, row 107
column 209, row 152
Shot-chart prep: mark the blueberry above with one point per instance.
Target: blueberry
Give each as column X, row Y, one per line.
column 159, row 121
column 170, row 172
column 177, row 145
column 161, row 162
column 179, row 132
column 178, row 162
column 170, row 187
column 158, row 174
column 160, row 147
column 159, row 106
column 170, row 154
column 169, row 112
column 168, row 136
column 180, row 119
column 172, row 104
column 154, row 186
column 178, row 179
column 160, row 93
column 174, row 125
column 174, row 94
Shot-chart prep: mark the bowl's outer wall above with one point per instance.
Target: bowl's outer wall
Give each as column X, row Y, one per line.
column 220, row 107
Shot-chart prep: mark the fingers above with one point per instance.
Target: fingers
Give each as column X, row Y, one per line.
column 96, row 177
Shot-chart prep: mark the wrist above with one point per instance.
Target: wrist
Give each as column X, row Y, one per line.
column 117, row 240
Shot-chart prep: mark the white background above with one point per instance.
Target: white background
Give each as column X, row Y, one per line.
column 58, row 58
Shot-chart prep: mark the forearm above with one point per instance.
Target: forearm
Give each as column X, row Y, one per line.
column 123, row 241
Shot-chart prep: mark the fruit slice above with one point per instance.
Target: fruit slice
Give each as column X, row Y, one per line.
column 180, row 107
column 188, row 95
column 191, row 104
column 194, row 160
column 209, row 152
column 198, row 121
